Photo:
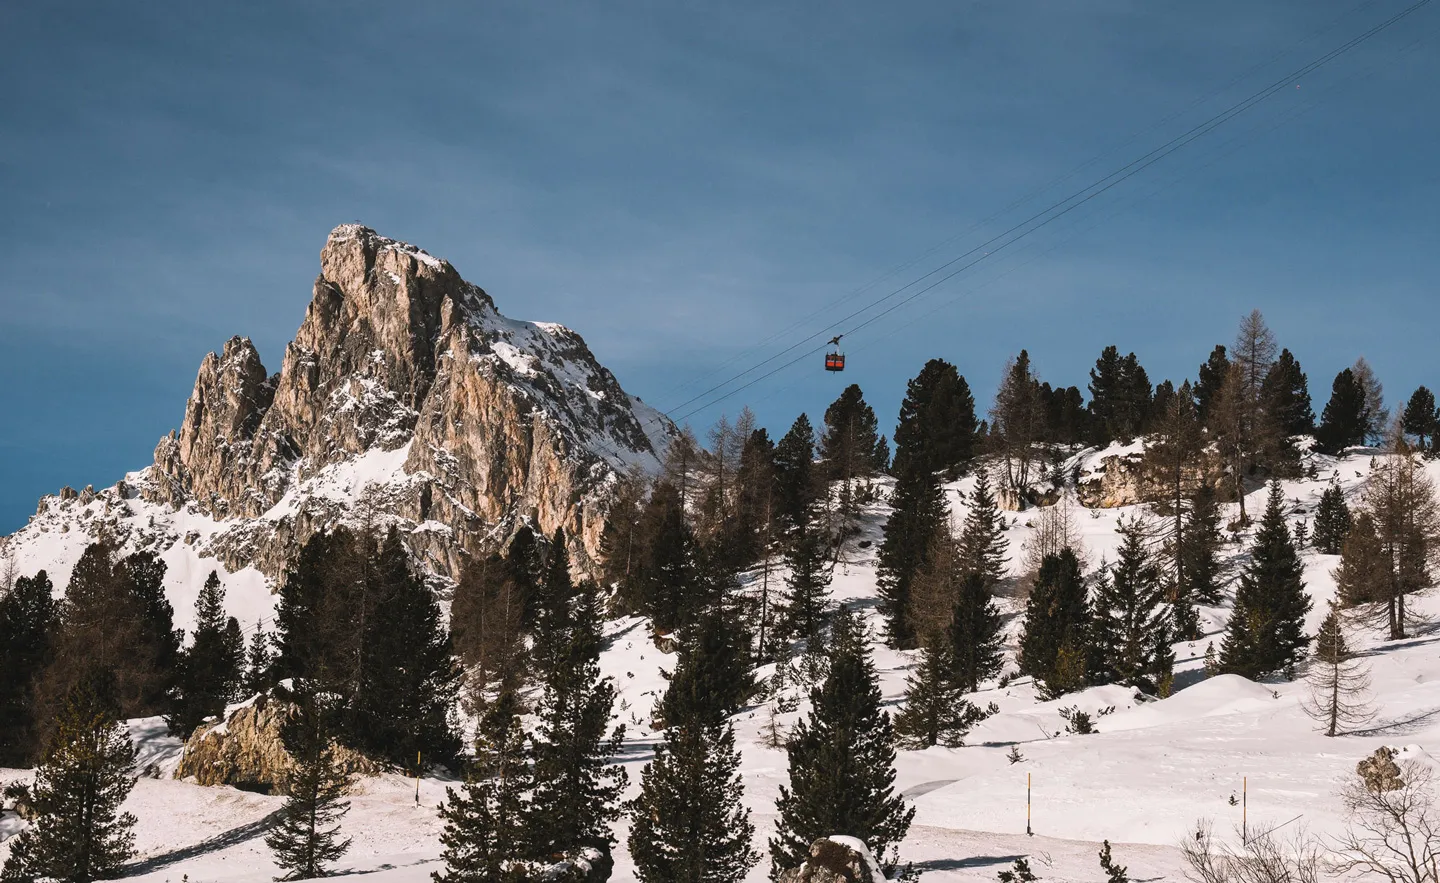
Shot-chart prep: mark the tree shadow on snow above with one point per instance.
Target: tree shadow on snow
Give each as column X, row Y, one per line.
column 233, row 837
column 1401, row 727
column 960, row 864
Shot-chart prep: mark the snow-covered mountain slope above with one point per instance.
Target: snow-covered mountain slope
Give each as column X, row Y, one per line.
column 405, row 398
column 1153, row 769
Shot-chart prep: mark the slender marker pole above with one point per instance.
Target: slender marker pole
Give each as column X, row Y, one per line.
column 1028, row 832
column 1245, row 810
column 417, row 778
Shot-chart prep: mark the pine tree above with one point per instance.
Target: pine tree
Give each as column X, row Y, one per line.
column 1421, row 418
column 1113, row 873
column 842, row 760
column 488, row 612
column 1211, row 377
column 208, row 673
column 851, row 439
column 1017, row 424
column 936, row 711
column 485, row 821
column 975, row 634
column 1021, row 873
column 1265, row 633
column 1202, row 545
column 1332, row 521
column 1131, row 627
column 936, row 431
column 1338, row 681
column 671, row 576
column 1402, row 502
column 794, row 472
column 1343, row 423
column 28, row 620
column 983, row 545
column 1363, row 572
column 712, row 679
column 306, row 839
column 1170, row 460
column 259, row 662
column 1056, row 628
column 574, row 778
column 1120, row 397
column 1287, row 395
column 918, row 512
column 79, row 834
column 807, row 585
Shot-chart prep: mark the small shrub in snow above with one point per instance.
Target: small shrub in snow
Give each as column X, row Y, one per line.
column 1021, row 873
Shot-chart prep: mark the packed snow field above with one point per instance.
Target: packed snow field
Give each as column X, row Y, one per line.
column 1142, row 781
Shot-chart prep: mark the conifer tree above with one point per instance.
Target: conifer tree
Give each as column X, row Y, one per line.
column 936, row 711
column 485, row 821
column 1201, row 550
column 807, row 585
column 78, row 833
column 672, row 584
column 1402, row 502
column 1017, row 424
column 851, row 439
column 1332, row 521
column 712, row 679
column 28, row 620
column 1266, row 629
column 918, row 512
column 1338, row 681
column 753, row 530
column 1114, row 873
column 936, row 431
column 974, row 634
column 574, row 778
column 1377, row 416
column 983, row 545
column 209, row 671
column 1170, row 460
column 1344, row 422
column 794, row 472
column 1131, row 627
column 1362, row 573
column 1287, row 395
column 1211, row 377
column 1421, row 418
column 842, row 760
column 259, row 662
column 1120, row 397
column 1056, row 631
column 306, row 839
column 488, row 611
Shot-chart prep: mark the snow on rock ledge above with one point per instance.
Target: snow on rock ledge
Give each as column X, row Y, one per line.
column 836, row 860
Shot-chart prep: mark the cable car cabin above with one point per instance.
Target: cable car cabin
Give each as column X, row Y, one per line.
column 834, row 361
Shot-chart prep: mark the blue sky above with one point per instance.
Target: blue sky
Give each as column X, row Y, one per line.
column 678, row 181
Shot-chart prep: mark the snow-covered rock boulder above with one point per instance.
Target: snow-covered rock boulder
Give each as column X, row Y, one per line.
column 836, row 860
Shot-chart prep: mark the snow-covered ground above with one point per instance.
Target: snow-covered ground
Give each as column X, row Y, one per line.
column 1153, row 769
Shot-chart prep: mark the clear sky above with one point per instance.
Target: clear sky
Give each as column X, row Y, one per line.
column 678, row 181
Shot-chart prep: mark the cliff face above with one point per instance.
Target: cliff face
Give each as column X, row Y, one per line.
column 406, row 398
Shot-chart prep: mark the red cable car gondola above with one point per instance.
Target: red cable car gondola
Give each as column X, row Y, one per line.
column 834, row 359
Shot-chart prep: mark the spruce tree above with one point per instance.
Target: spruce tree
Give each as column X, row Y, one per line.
column 1056, row 631
column 975, row 634
column 28, row 620
column 807, row 584
column 259, row 662
column 1287, row 393
column 78, row 833
column 918, row 511
column 306, row 839
column 1120, row 397
column 712, row 679
column 1343, row 423
column 208, row 674
column 983, row 545
column 671, row 579
column 574, row 779
column 851, row 439
column 794, row 472
column 484, row 838
column 1421, row 419
column 1332, row 521
column 936, row 431
column 1131, row 628
column 842, row 760
column 1266, row 629
column 1201, row 550
column 936, row 711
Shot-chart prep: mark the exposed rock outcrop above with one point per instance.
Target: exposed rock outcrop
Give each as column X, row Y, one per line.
column 836, row 860
column 1379, row 771
column 406, row 398
column 245, row 749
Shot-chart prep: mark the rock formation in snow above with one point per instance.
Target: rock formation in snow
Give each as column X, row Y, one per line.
column 406, row 398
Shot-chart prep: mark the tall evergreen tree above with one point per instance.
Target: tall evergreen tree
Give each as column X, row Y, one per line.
column 975, row 634
column 1332, row 521
column 259, row 662
column 28, row 620
column 983, row 545
column 671, row 574
column 1017, row 425
column 1201, row 550
column 1131, row 627
column 918, row 511
column 1055, row 638
column 1211, row 377
column 78, row 833
column 1421, row 419
column 1266, row 630
column 485, row 821
column 1377, row 416
column 807, row 584
column 209, row 671
column 1120, row 397
column 712, row 679
column 848, row 447
column 1287, row 394
column 488, row 610
column 936, row 711
column 1171, row 460
column 936, row 431
column 306, row 839
column 842, row 760
column 574, row 778
column 1343, row 424
column 794, row 472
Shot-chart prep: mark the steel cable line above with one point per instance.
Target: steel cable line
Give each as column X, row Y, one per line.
column 1051, row 214
column 979, row 224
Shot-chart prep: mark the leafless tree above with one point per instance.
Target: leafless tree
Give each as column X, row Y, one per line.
column 936, row 587
column 1260, row 858
column 1377, row 416
column 1239, row 417
column 1170, row 463
column 1056, row 528
column 1401, row 502
column 1339, row 682
column 1393, row 833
